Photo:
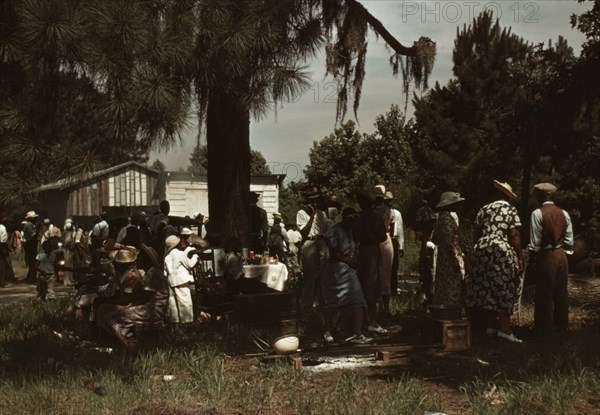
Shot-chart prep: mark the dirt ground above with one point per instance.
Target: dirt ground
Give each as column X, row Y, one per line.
column 445, row 372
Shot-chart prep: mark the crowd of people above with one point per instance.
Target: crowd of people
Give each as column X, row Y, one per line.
column 490, row 280
column 350, row 260
column 346, row 259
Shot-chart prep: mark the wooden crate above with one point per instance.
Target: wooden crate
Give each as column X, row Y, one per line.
column 452, row 335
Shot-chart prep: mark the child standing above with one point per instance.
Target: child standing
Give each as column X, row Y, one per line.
column 46, row 281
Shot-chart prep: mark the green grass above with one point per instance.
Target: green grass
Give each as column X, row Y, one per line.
column 41, row 373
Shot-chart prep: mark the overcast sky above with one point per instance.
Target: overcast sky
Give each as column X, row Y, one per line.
column 285, row 140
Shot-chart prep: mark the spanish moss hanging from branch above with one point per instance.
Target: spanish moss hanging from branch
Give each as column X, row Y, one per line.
column 347, row 48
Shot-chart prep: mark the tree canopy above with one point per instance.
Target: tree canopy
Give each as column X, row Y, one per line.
column 199, row 162
column 347, row 161
column 513, row 111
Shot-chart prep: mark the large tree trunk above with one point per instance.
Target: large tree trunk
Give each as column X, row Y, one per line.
column 228, row 140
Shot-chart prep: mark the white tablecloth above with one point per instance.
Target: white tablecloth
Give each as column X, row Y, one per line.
column 274, row 275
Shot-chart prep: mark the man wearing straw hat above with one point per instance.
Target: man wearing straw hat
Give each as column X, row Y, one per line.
column 30, row 237
column 550, row 241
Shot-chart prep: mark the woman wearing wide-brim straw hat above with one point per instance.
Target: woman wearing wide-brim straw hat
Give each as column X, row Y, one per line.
column 130, row 286
column 122, row 324
column 449, row 265
column 497, row 262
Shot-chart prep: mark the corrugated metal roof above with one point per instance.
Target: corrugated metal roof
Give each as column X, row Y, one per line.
column 72, row 181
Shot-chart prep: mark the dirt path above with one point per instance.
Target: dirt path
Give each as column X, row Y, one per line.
column 584, row 291
column 21, row 291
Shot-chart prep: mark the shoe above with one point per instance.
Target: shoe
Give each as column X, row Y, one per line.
column 377, row 329
column 328, row 338
column 359, row 339
column 490, row 332
column 509, row 337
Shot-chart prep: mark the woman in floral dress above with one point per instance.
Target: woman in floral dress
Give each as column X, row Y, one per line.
column 449, row 265
column 497, row 262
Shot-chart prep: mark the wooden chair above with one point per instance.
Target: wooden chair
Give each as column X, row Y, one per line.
column 211, row 294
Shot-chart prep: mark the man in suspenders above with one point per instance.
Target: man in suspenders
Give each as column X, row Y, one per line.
column 551, row 240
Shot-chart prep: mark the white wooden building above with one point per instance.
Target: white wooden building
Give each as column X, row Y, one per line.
column 188, row 193
column 132, row 187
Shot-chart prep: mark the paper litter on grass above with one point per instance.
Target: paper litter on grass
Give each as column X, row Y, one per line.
column 328, row 363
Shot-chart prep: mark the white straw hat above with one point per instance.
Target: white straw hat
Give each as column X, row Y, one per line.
column 449, row 198
column 505, row 188
column 171, row 243
column 31, row 215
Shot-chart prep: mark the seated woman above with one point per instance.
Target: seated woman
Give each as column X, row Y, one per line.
column 234, row 271
column 154, row 300
column 129, row 289
column 341, row 286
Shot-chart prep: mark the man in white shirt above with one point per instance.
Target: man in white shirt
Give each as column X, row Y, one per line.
column 100, row 231
column 312, row 223
column 551, row 239
column 397, row 234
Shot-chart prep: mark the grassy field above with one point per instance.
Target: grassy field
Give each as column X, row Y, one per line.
column 46, row 369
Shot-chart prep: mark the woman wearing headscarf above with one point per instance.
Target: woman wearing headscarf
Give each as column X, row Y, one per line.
column 494, row 280
column 179, row 262
column 449, row 265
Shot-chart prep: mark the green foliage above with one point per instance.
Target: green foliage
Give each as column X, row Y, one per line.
column 76, row 77
column 258, row 163
column 347, row 161
column 290, row 201
column 133, row 68
column 158, row 165
column 466, row 129
column 508, row 115
column 199, row 162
